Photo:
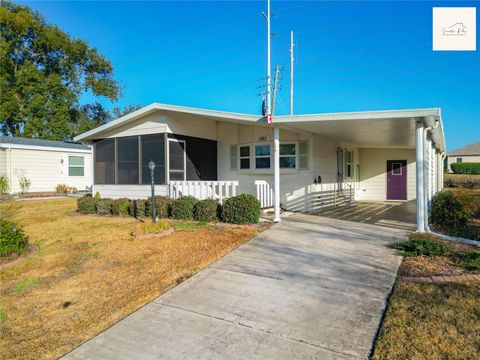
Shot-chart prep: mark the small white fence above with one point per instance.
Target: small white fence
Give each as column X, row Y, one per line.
column 264, row 193
column 218, row 190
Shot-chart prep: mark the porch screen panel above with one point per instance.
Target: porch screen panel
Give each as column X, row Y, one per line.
column 127, row 160
column 176, row 160
column 105, row 161
column 153, row 148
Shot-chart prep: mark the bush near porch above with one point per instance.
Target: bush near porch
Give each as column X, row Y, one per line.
column 462, row 181
column 456, row 213
column 240, row 209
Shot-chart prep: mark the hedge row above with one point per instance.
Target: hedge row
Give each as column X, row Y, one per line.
column 241, row 209
column 472, row 168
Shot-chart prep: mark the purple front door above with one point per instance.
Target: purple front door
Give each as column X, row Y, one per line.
column 396, row 179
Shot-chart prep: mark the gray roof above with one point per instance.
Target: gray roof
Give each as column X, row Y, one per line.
column 472, row 149
column 39, row 142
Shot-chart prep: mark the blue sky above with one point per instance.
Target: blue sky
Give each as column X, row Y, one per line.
column 351, row 56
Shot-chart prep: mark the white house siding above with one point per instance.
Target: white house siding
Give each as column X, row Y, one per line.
column 45, row 170
column 298, row 191
column 182, row 124
column 3, row 161
column 373, row 176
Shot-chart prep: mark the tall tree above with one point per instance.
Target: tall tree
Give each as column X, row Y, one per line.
column 43, row 73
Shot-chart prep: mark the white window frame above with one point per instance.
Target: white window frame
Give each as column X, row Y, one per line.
column 255, row 157
column 351, row 163
column 297, row 148
column 184, row 159
column 252, row 157
column 240, row 157
column 75, row 166
column 306, row 155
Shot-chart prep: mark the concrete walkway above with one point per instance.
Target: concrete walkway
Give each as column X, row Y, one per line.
column 309, row 288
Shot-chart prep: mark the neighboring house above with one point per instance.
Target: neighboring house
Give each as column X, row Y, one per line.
column 469, row 153
column 45, row 163
column 324, row 159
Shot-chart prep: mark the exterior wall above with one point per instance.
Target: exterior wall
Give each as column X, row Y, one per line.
column 182, row 124
column 298, row 191
column 465, row 158
column 373, row 176
column 45, row 170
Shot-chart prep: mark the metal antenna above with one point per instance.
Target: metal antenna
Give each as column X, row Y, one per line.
column 292, row 59
column 268, row 90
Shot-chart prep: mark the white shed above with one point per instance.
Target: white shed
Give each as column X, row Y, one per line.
column 45, row 163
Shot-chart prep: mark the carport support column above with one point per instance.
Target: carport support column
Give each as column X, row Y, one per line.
column 276, row 173
column 420, row 176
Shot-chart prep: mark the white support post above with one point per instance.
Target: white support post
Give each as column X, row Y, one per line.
column 419, row 177
column 276, row 173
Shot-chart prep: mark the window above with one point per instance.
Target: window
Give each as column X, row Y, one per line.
column 459, row 159
column 262, row 156
column 244, row 157
column 287, row 156
column 303, row 155
column 105, row 161
column 76, row 166
column 397, row 169
column 348, row 163
column 153, row 148
column 176, row 160
column 233, row 158
column 127, row 160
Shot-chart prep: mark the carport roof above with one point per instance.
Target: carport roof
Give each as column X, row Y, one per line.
column 390, row 128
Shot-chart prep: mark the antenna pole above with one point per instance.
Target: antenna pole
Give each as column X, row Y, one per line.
column 291, row 71
column 275, row 88
column 269, row 94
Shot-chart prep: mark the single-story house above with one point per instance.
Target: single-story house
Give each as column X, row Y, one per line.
column 468, row 153
column 45, row 163
column 323, row 159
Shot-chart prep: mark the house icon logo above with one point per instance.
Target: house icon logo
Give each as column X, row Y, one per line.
column 457, row 29
column 454, row 28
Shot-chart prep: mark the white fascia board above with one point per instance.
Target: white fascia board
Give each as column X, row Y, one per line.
column 219, row 115
column 360, row 115
column 44, row 148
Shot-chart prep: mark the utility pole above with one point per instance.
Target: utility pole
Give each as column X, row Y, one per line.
column 268, row 78
column 275, row 88
column 292, row 59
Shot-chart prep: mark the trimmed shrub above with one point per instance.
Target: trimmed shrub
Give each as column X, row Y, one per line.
column 182, row 208
column 140, row 208
column 120, row 207
column 104, row 206
column 12, row 239
column 451, row 211
column 472, row 168
column 162, row 206
column 86, row 205
column 241, row 209
column 4, row 184
column 419, row 246
column 61, row 188
column 206, row 210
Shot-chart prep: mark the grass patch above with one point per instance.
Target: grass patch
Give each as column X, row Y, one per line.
column 417, row 246
column 431, row 321
column 180, row 225
column 96, row 274
column 25, row 284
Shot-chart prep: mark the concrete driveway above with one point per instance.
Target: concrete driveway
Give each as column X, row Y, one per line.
column 309, row 288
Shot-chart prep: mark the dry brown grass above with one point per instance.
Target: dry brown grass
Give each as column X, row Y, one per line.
column 431, row 321
column 89, row 273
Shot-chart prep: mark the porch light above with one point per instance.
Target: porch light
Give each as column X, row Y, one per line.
column 151, row 166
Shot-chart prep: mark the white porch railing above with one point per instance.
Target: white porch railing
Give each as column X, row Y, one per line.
column 264, row 193
column 218, row 190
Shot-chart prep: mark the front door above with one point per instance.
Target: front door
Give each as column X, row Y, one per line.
column 396, row 179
